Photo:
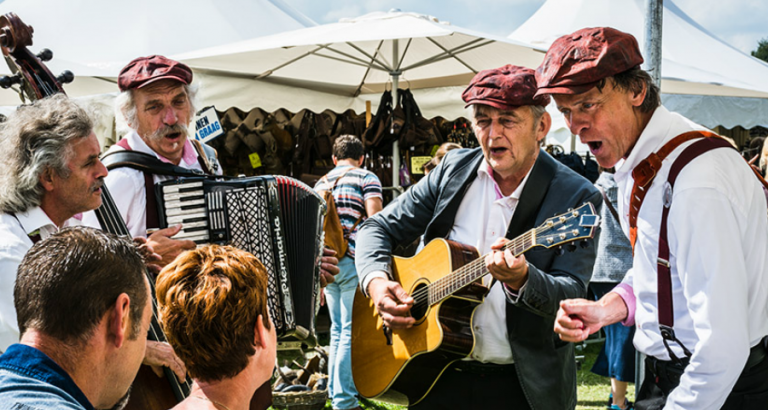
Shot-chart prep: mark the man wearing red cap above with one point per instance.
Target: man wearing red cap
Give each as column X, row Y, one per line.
column 478, row 197
column 154, row 109
column 698, row 289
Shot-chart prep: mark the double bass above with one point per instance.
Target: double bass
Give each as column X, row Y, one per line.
column 32, row 80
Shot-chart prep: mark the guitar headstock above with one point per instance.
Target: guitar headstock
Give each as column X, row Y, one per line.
column 580, row 223
column 33, row 78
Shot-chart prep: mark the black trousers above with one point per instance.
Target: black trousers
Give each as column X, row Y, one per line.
column 749, row 393
column 473, row 385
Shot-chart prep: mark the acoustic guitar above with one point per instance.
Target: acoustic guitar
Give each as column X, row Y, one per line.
column 401, row 366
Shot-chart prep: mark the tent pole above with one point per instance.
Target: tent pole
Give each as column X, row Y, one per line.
column 652, row 53
column 395, row 145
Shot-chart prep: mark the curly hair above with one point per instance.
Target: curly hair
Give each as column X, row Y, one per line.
column 209, row 300
column 37, row 138
column 348, row 146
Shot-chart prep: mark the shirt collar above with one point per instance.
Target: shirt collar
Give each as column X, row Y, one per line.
column 35, row 219
column 485, row 171
column 28, row 361
column 188, row 153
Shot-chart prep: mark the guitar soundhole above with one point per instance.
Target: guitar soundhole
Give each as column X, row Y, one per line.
column 420, row 302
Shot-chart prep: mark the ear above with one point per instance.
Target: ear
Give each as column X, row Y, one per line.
column 543, row 127
column 261, row 334
column 47, row 178
column 119, row 320
column 361, row 160
column 638, row 98
column 334, row 159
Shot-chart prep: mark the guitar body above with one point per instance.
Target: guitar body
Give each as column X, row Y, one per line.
column 404, row 371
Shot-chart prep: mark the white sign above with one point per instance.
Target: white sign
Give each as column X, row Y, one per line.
column 207, row 125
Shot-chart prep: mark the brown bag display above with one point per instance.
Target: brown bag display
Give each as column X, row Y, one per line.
column 332, row 229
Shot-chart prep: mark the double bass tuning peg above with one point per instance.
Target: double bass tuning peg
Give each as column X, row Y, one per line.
column 8, row 81
column 65, row 77
column 45, row 55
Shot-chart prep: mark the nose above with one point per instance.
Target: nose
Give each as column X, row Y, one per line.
column 495, row 129
column 101, row 170
column 170, row 117
column 576, row 124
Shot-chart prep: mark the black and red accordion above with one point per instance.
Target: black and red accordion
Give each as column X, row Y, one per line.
column 276, row 218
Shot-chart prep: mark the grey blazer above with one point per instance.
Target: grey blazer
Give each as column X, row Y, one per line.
column 545, row 364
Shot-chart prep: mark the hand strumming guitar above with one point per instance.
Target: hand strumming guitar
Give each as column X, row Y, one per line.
column 392, row 302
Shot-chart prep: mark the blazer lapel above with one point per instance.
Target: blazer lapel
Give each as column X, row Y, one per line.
column 532, row 196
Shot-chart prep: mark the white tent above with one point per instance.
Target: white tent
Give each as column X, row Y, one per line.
column 95, row 38
column 703, row 78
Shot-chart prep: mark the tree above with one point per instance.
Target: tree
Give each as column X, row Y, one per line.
column 762, row 50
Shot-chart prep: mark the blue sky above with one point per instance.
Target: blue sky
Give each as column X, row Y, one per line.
column 739, row 22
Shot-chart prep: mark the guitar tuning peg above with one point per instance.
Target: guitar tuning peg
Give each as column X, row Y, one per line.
column 45, row 55
column 571, row 247
column 65, row 77
column 584, row 244
column 560, row 251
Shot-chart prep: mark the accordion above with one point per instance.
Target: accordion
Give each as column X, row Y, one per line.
column 277, row 219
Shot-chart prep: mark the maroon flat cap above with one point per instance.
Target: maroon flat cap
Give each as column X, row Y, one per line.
column 146, row 70
column 504, row 88
column 577, row 62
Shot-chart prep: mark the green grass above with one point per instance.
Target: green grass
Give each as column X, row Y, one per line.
column 593, row 390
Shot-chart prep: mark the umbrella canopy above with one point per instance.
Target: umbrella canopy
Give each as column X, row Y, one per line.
column 364, row 54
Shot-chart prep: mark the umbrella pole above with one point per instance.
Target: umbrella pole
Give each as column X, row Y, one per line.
column 395, row 73
column 395, row 144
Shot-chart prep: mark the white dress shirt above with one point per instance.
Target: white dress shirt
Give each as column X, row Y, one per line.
column 126, row 185
column 14, row 244
column 718, row 240
column 482, row 218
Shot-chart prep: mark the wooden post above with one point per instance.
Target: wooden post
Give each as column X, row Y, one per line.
column 367, row 113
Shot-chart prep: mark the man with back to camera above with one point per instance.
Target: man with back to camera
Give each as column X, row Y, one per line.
column 714, row 356
column 502, row 189
column 84, row 309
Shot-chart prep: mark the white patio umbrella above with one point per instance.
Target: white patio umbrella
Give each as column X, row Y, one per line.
column 367, row 54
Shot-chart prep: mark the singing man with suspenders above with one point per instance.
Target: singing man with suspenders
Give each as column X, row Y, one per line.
column 696, row 216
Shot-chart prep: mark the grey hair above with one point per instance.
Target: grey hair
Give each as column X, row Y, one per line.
column 37, row 138
column 125, row 109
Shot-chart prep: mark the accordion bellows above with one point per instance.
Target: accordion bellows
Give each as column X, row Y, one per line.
column 276, row 218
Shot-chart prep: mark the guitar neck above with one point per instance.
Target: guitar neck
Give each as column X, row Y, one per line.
column 475, row 270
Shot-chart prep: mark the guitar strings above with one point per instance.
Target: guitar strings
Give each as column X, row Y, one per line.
column 445, row 286
column 465, row 275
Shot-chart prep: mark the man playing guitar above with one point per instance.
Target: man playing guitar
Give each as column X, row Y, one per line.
column 476, row 197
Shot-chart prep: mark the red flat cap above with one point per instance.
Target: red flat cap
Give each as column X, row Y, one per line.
column 146, row 70
column 504, row 88
column 577, row 62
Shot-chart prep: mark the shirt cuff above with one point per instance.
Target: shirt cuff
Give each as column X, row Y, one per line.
column 371, row 276
column 514, row 296
column 627, row 294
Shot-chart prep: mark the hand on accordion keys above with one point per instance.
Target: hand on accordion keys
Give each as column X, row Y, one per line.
column 168, row 248
column 329, row 267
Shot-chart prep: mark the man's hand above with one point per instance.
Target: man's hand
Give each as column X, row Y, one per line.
column 505, row 267
column 329, row 267
column 168, row 248
column 151, row 259
column 578, row 318
column 392, row 302
column 160, row 354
